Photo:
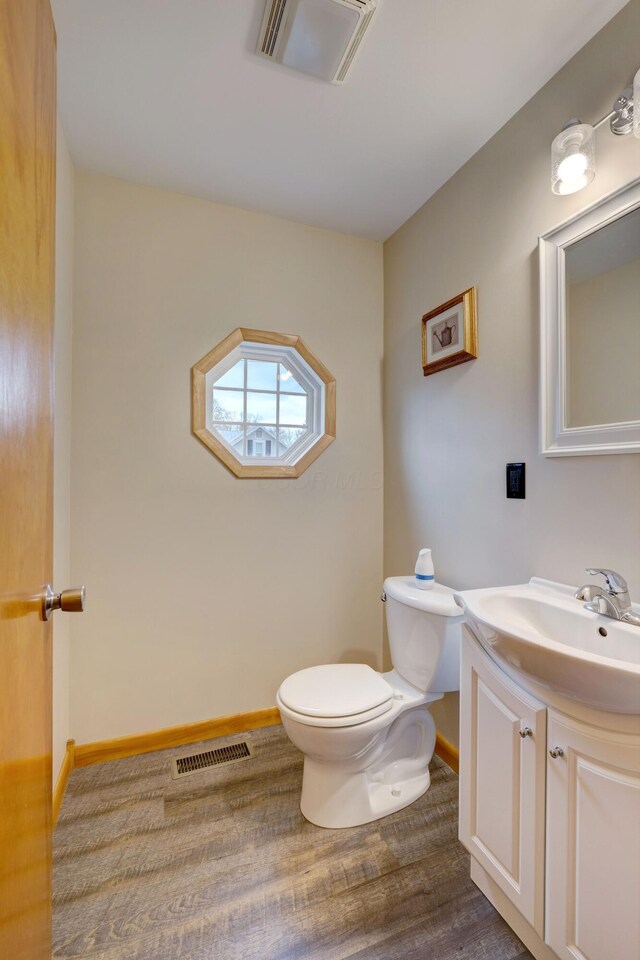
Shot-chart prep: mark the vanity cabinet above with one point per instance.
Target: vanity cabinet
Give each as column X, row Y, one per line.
column 593, row 842
column 502, row 770
column 552, row 816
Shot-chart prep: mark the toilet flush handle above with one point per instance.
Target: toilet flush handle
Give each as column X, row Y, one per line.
column 383, row 597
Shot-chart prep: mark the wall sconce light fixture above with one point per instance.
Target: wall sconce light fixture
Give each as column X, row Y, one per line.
column 573, row 157
column 573, row 151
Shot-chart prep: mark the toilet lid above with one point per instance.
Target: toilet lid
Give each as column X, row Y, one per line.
column 439, row 600
column 335, row 690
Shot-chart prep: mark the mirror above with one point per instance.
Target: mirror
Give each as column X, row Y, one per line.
column 590, row 330
column 602, row 284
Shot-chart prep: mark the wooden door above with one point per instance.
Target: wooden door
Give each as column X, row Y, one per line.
column 27, row 210
column 593, row 842
column 502, row 780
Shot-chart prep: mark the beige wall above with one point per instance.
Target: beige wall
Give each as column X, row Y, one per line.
column 603, row 339
column 205, row 591
column 449, row 436
column 62, row 442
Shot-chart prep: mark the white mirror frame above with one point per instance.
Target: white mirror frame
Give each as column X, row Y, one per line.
column 556, row 438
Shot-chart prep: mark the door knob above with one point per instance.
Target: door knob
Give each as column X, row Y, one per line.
column 526, row 732
column 556, row 752
column 72, row 601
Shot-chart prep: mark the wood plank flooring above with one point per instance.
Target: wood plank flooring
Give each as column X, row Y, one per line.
column 223, row 866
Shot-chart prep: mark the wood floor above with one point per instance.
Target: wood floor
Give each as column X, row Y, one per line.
column 222, row 866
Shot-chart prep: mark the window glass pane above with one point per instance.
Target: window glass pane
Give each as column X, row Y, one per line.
column 287, row 436
column 228, row 405
column 293, row 409
column 249, row 448
column 268, row 448
column 233, row 436
column 288, row 382
column 261, row 407
column 233, row 377
column 262, row 375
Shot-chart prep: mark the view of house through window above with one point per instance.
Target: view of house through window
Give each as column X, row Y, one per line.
column 259, row 408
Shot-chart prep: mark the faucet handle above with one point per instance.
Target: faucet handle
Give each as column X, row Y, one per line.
column 616, row 583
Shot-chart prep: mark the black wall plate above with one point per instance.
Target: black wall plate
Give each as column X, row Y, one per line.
column 515, row 481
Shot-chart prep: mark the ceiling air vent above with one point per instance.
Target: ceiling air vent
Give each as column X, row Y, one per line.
column 320, row 37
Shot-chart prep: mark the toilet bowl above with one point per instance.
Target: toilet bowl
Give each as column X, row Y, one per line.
column 368, row 737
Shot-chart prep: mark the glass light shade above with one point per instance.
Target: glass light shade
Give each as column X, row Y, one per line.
column 636, row 105
column 573, row 158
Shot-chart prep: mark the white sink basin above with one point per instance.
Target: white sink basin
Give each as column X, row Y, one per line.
column 540, row 630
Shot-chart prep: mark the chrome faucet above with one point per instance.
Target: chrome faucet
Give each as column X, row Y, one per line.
column 613, row 602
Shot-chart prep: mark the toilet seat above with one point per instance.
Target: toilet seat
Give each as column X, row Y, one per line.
column 335, row 695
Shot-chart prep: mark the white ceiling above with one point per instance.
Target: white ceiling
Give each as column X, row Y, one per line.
column 170, row 93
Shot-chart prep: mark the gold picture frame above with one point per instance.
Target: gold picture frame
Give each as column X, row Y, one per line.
column 450, row 333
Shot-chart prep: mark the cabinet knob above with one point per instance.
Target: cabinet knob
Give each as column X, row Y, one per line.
column 526, row 732
column 556, row 752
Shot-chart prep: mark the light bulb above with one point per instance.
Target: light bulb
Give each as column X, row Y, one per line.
column 565, row 187
column 572, row 168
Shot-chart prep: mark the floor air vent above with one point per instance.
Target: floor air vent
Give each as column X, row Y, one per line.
column 185, row 766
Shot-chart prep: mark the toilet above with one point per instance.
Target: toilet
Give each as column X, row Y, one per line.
column 368, row 737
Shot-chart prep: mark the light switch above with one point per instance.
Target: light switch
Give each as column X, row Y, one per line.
column 515, row 481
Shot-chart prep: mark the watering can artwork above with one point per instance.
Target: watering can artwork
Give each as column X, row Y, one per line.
column 445, row 336
column 450, row 333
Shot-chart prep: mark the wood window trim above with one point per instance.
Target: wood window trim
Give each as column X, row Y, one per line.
column 199, row 401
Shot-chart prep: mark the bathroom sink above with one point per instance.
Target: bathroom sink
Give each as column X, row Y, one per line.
column 540, row 630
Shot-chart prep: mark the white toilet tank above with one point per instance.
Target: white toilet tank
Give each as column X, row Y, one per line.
column 425, row 628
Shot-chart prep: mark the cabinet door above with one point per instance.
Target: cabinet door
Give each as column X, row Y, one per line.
column 502, row 780
column 593, row 843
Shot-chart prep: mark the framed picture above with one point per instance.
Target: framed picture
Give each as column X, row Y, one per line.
column 450, row 334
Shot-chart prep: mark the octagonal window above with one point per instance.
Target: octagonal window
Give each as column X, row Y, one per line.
column 264, row 404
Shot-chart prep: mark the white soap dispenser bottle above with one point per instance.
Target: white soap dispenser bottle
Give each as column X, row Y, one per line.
column 425, row 575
